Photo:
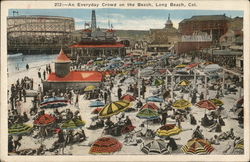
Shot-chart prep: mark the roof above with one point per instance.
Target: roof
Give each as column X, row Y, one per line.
column 77, row 76
column 40, row 17
column 116, row 45
column 62, row 57
column 206, row 18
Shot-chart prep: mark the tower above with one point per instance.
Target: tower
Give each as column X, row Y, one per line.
column 169, row 23
column 93, row 21
column 62, row 65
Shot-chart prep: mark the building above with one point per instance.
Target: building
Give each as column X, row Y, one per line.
column 215, row 25
column 38, row 34
column 95, row 42
column 163, row 39
column 63, row 78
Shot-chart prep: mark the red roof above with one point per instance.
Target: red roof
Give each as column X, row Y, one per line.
column 62, row 57
column 77, row 76
column 110, row 30
column 87, row 30
column 97, row 45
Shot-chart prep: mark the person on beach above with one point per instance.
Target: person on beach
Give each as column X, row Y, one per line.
column 119, row 93
column 17, row 143
column 27, row 66
column 44, row 75
column 201, row 96
column 24, row 95
column 192, row 120
column 39, row 74
column 198, row 133
column 171, row 144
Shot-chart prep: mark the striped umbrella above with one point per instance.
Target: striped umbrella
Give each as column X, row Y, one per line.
column 128, row 98
column 114, row 108
column 45, row 120
column 217, row 102
column 181, row 66
column 73, row 124
column 148, row 114
column 155, row 147
column 181, row 104
column 206, row 104
column 96, row 103
column 239, row 144
column 197, row 146
column 105, row 145
column 150, row 105
column 168, row 130
column 19, row 129
column 154, row 99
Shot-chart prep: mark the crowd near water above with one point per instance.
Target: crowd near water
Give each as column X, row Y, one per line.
column 146, row 104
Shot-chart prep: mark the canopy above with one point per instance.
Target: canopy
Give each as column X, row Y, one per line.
column 168, row 130
column 181, row 104
column 154, row 99
column 89, row 88
column 217, row 102
column 148, row 114
column 206, row 104
column 73, row 124
column 197, row 146
column 155, row 147
column 44, row 120
column 150, row 105
column 96, row 103
column 212, row 68
column 114, row 108
column 128, row 98
column 19, row 129
column 105, row 145
column 184, row 83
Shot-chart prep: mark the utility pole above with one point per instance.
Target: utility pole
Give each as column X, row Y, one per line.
column 139, row 85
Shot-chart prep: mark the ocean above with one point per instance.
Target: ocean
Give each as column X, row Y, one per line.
column 18, row 62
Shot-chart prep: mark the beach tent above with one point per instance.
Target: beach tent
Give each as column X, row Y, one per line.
column 105, row 145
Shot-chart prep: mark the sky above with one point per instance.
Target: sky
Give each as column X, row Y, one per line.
column 127, row 19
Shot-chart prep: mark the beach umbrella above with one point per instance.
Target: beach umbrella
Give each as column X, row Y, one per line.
column 89, row 88
column 98, row 59
column 206, row 104
column 114, row 108
column 180, row 66
column 212, row 68
column 239, row 144
column 217, row 102
column 19, row 129
column 168, row 130
column 181, row 104
column 197, row 146
column 96, row 103
column 240, row 102
column 150, row 105
column 190, row 66
column 154, row 99
column 182, row 72
column 155, row 147
column 73, row 124
column 105, row 145
column 54, row 102
column 148, row 114
column 184, row 83
column 158, row 82
column 207, row 63
column 44, row 120
column 128, row 98
column 96, row 110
